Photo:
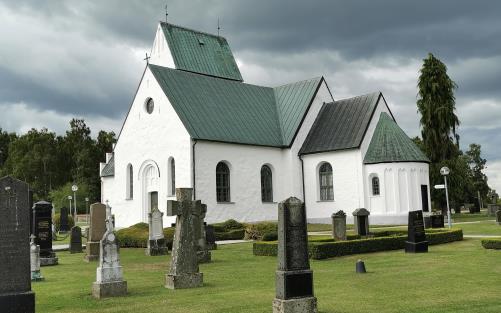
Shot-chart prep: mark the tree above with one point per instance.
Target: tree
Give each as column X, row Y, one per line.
column 5, row 139
column 59, row 197
column 436, row 104
column 477, row 165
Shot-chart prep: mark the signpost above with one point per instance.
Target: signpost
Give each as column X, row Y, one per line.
column 439, row 186
column 444, row 171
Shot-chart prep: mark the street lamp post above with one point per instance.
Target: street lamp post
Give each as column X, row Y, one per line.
column 445, row 171
column 74, row 188
column 87, row 209
column 71, row 198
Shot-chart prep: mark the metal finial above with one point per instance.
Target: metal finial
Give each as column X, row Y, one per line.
column 166, row 14
column 147, row 59
column 218, row 27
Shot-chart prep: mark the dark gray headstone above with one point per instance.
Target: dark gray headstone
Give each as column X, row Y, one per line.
column 64, row 225
column 184, row 271
column 43, row 232
column 76, row 240
column 210, row 236
column 294, row 278
column 437, row 221
column 361, row 221
column 203, row 253
column 416, row 237
column 15, row 267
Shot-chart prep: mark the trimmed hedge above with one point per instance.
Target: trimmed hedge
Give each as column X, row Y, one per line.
column 136, row 236
column 328, row 248
column 229, row 230
column 257, row 231
column 491, row 244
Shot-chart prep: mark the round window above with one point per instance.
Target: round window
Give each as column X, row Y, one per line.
column 150, row 105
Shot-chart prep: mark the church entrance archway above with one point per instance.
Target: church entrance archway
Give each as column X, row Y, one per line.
column 150, row 178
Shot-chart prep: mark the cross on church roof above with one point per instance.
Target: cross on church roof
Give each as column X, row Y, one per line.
column 147, row 59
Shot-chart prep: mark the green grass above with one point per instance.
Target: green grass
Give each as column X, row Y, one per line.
column 480, row 228
column 467, row 217
column 456, row 277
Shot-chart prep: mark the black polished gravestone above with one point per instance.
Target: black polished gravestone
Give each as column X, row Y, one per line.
column 42, row 220
column 76, row 240
column 437, row 221
column 15, row 275
column 64, row 225
column 416, row 237
column 294, row 278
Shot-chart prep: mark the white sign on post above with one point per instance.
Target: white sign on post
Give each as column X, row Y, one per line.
column 439, row 186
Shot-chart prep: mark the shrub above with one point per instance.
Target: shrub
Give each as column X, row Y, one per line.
column 491, row 244
column 227, row 226
column 235, row 234
column 57, row 219
column 258, row 230
column 271, row 236
column 136, row 236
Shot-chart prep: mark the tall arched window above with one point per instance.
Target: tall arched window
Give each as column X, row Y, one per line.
column 266, row 184
column 375, row 186
column 130, row 182
column 326, row 185
column 222, row 182
column 172, row 183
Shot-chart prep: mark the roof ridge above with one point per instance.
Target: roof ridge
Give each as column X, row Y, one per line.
column 359, row 96
column 299, row 81
column 193, row 30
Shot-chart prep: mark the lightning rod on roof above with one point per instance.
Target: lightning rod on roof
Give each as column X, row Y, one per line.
column 218, row 27
column 166, row 14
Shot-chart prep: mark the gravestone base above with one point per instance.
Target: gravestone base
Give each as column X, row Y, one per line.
column 157, row 247
column 184, row 281
column 52, row 260
column 204, row 256
column 109, row 289
column 416, row 247
column 37, row 276
column 18, row 302
column 301, row 305
column 92, row 249
column 212, row 246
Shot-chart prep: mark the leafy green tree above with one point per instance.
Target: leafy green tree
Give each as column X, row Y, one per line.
column 477, row 165
column 5, row 139
column 59, row 197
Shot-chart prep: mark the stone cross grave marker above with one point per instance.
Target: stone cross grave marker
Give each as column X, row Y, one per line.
column 157, row 245
column 294, row 278
column 64, row 225
column 339, row 225
column 35, row 260
column 184, row 271
column 416, row 237
column 361, row 221
column 203, row 253
column 15, row 281
column 109, row 275
column 97, row 229
column 76, row 240
column 43, row 232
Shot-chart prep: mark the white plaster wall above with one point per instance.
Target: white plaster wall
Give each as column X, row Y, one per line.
column 160, row 52
column 149, row 138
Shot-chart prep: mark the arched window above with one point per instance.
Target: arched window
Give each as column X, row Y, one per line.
column 222, row 182
column 375, row 186
column 326, row 185
column 149, row 105
column 130, row 182
column 172, row 170
column 266, row 184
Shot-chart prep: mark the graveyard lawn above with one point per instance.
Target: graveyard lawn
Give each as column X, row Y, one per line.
column 455, row 277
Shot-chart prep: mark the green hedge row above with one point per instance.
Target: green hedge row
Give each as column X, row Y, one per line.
column 136, row 236
column 328, row 248
column 491, row 244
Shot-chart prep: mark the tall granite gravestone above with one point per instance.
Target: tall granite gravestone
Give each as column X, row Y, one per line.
column 157, row 245
column 43, row 232
column 76, row 240
column 109, row 275
column 339, row 225
column 184, row 271
column 437, row 221
column 294, row 278
column 15, row 282
column 203, row 253
column 416, row 237
column 64, row 224
column 210, row 236
column 35, row 260
column 361, row 221
column 97, row 229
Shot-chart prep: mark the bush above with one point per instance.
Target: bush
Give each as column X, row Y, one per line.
column 271, row 236
column 236, row 234
column 258, row 230
column 491, row 244
column 327, row 248
column 136, row 236
column 57, row 219
column 227, row 226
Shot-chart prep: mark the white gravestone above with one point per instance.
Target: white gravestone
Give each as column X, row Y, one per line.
column 35, row 260
column 157, row 245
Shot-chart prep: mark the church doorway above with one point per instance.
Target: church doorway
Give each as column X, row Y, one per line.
column 150, row 177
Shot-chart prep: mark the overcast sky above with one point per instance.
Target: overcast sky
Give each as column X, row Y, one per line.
column 64, row 59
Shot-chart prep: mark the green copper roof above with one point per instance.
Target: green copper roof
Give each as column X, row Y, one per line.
column 390, row 144
column 109, row 169
column 230, row 111
column 199, row 52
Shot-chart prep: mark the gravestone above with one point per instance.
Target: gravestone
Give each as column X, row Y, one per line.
column 293, row 278
column 76, row 240
column 43, row 232
column 203, row 253
column 97, row 229
column 109, row 275
column 157, row 245
column 339, row 225
column 416, row 237
column 15, row 282
column 184, row 271
column 427, row 221
column 498, row 217
column 361, row 221
column 437, row 221
column 35, row 260
column 492, row 209
column 64, row 225
column 210, row 236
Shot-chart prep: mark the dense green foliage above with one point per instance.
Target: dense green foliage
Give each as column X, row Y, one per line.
column 258, row 231
column 491, row 244
column 229, row 230
column 48, row 162
column 136, row 236
column 328, row 248
column 56, row 219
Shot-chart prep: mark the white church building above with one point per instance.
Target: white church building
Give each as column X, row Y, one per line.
column 243, row 148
